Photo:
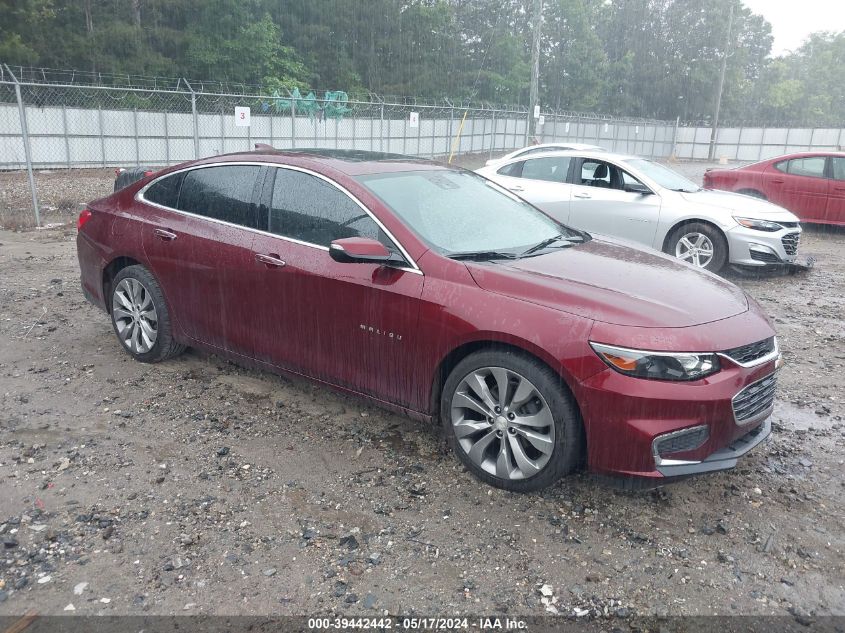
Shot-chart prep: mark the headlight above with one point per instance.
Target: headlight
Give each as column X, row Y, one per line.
column 760, row 225
column 657, row 365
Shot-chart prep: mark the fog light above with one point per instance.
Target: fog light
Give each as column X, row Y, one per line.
column 679, row 442
column 761, row 248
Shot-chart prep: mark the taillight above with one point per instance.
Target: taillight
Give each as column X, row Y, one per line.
column 149, row 172
column 83, row 219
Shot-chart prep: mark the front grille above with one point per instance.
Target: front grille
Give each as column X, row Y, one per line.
column 680, row 441
column 751, row 352
column 754, row 399
column 790, row 243
column 769, row 258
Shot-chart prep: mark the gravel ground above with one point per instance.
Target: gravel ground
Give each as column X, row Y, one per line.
column 195, row 486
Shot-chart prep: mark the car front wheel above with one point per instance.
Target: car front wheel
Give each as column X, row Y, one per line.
column 511, row 421
column 140, row 316
column 699, row 244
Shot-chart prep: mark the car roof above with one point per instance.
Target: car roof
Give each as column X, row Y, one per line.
column 584, row 153
column 347, row 161
column 807, row 154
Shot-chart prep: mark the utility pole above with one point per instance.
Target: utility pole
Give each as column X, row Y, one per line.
column 711, row 154
column 533, row 96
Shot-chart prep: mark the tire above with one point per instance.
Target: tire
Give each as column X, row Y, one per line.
column 753, row 193
column 140, row 317
column 536, row 394
column 700, row 236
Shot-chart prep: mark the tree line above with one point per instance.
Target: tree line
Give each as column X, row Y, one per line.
column 648, row 58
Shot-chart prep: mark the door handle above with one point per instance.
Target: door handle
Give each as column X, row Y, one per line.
column 164, row 234
column 582, row 195
column 778, row 181
column 516, row 188
column 269, row 260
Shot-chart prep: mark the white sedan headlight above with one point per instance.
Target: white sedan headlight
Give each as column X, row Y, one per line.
column 760, row 225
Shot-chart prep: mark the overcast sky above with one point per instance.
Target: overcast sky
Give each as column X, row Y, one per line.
column 792, row 21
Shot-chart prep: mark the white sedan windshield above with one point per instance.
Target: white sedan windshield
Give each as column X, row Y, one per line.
column 662, row 175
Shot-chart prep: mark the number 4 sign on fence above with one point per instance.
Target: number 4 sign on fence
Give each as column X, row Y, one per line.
column 414, row 119
column 241, row 116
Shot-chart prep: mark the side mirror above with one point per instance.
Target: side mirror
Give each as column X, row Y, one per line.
column 362, row 250
column 636, row 187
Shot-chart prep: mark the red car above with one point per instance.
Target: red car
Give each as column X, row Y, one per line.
column 810, row 184
column 436, row 293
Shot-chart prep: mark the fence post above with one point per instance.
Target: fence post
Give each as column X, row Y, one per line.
column 272, row 135
column 381, row 129
column 222, row 131
column 615, row 135
column 103, row 133
column 493, row 139
column 137, row 140
column 675, row 137
column 653, row 139
column 26, row 148
column 65, row 130
column 293, row 123
column 166, row 140
column 195, row 119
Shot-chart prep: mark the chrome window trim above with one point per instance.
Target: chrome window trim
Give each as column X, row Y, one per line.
column 773, row 355
column 414, row 268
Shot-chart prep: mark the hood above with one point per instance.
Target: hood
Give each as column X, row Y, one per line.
column 608, row 281
column 738, row 204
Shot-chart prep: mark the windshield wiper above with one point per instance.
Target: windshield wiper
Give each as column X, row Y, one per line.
column 682, row 190
column 574, row 239
column 483, row 255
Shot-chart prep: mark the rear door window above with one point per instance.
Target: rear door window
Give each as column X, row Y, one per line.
column 812, row 166
column 312, row 210
column 165, row 191
column 552, row 169
column 838, row 165
column 225, row 192
column 514, row 169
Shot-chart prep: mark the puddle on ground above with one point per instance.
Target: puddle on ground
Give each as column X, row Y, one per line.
column 800, row 418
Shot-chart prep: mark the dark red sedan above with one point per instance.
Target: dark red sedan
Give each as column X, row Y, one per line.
column 436, row 293
column 810, row 184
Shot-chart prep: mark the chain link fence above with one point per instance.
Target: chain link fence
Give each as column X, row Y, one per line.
column 52, row 122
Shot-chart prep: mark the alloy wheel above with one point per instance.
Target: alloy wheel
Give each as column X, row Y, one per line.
column 135, row 316
column 695, row 248
column 503, row 423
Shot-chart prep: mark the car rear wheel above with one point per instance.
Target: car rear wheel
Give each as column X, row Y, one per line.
column 699, row 244
column 511, row 421
column 140, row 316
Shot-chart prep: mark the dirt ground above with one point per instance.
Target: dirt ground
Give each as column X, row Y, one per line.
column 195, row 486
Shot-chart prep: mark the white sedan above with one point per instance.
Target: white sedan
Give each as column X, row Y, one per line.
column 543, row 147
column 642, row 201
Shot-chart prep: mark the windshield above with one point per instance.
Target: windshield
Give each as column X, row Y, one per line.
column 458, row 212
column 662, row 175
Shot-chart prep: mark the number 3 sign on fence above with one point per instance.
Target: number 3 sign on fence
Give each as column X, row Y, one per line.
column 241, row 116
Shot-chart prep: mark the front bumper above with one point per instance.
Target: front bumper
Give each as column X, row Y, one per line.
column 750, row 247
column 626, row 418
column 723, row 459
